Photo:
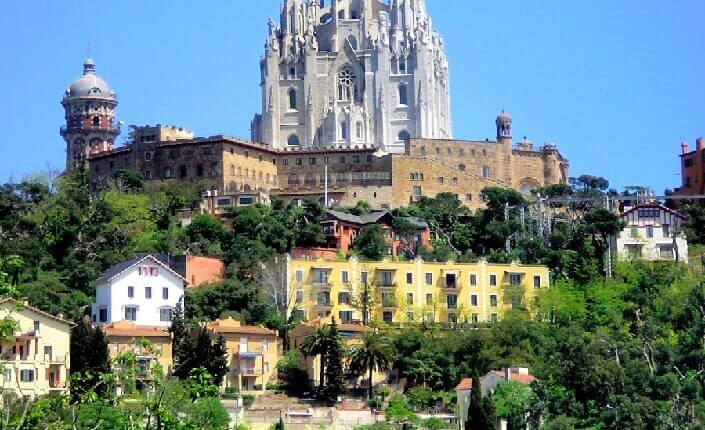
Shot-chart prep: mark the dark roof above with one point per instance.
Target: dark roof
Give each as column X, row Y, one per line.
column 112, row 272
column 372, row 218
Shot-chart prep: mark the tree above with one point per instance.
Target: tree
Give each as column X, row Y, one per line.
column 89, row 356
column 512, row 401
column 200, row 350
column 373, row 352
column 316, row 344
column 335, row 380
column 480, row 410
column 399, row 412
column 370, row 242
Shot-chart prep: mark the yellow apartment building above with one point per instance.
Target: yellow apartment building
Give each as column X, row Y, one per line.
column 125, row 336
column 252, row 354
column 36, row 362
column 408, row 291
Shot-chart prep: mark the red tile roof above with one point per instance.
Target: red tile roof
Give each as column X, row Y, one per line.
column 131, row 330
column 526, row 379
column 465, row 384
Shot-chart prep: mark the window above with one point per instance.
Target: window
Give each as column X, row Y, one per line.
column 485, row 171
column 537, row 281
column 103, row 315
column 27, row 375
column 344, row 277
column 494, row 318
column 454, row 180
column 416, row 176
column 165, row 293
column 493, row 300
column 148, row 175
column 358, row 130
column 148, row 292
column 473, row 300
column 312, row 160
column 475, row 318
column 7, row 375
column 344, row 130
column 356, row 159
column 36, row 326
column 385, row 278
column 402, row 66
column 130, row 292
column 649, row 231
column 387, row 317
column 292, row 99
column 468, row 197
column 429, row 317
column 347, row 84
column 429, row 299
column 323, row 298
column 409, row 278
column 514, row 279
column 342, row 160
column 345, row 316
column 344, row 298
column 165, row 314
column 292, row 141
column 429, row 278
column 299, row 161
column 299, row 296
column 363, row 278
column 473, row 280
column 182, row 171
column 206, row 150
column 665, row 252
column 688, row 162
column 441, row 179
column 130, row 313
column 666, row 230
column 199, row 170
column 403, row 96
column 167, row 173
column 452, row 301
column 416, row 191
column 633, row 251
column 369, row 158
column 352, row 39
column 320, row 277
column 493, row 280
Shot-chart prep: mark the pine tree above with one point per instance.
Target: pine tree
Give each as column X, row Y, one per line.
column 335, row 382
column 217, row 363
column 89, row 357
column 180, row 337
column 480, row 411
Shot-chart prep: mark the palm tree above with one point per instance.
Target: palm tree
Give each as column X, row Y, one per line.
column 374, row 352
column 314, row 344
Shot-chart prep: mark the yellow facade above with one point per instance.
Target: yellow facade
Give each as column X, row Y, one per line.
column 252, row 354
column 410, row 291
column 37, row 361
column 124, row 337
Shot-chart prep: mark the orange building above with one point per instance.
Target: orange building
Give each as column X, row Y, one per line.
column 341, row 229
column 692, row 169
column 124, row 336
column 203, row 270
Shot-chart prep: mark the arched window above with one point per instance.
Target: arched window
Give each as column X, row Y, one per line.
column 347, row 84
column 358, row 130
column 461, row 167
column 344, row 130
column 292, row 99
column 96, row 121
column 292, row 73
column 485, row 171
column 293, row 140
column 352, row 40
column 403, row 96
column 404, row 136
column 293, row 180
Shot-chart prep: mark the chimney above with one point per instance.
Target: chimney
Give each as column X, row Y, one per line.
column 684, row 148
column 700, row 143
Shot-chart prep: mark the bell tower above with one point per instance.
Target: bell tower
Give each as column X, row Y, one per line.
column 504, row 128
column 89, row 110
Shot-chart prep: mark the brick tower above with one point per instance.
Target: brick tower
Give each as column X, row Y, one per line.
column 89, row 107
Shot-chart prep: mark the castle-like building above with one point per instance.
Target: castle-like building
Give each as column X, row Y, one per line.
column 355, row 107
column 350, row 72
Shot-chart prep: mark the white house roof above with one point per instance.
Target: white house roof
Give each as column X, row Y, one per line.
column 126, row 265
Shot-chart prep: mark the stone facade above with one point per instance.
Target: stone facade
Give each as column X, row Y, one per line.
column 346, row 72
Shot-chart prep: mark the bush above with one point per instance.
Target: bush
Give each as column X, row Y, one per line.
column 248, row 400
column 230, row 393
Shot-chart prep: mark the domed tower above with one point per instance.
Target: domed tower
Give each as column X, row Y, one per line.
column 504, row 128
column 89, row 108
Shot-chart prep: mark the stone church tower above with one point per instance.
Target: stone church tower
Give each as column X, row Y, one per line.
column 339, row 73
column 89, row 108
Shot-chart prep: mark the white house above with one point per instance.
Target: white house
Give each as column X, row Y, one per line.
column 652, row 232
column 143, row 290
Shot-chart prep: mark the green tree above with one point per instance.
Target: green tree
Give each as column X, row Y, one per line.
column 334, row 378
column 374, row 352
column 512, row 401
column 481, row 415
column 89, row 357
column 370, row 242
column 200, row 350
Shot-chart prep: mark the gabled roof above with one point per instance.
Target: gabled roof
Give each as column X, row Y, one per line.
column 652, row 206
column 372, row 218
column 128, row 329
column 120, row 268
column 36, row 310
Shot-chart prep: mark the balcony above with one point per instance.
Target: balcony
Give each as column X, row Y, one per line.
column 112, row 129
column 386, row 284
column 249, row 371
column 248, row 351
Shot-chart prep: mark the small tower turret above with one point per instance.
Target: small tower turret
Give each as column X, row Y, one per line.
column 504, row 128
column 89, row 108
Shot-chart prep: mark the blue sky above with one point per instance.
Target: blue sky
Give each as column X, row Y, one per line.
column 616, row 84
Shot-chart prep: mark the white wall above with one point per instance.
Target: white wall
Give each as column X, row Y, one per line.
column 114, row 295
column 635, row 235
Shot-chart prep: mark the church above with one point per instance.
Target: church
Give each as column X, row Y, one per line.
column 355, row 106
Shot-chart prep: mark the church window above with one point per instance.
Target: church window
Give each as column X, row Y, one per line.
column 96, row 121
column 347, row 84
column 293, row 140
column 403, row 96
column 292, row 99
column 358, row 130
column 352, row 40
column 485, row 171
column 404, row 136
column 344, row 130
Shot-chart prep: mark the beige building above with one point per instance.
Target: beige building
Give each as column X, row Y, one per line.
column 252, row 354
column 37, row 361
column 151, row 345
